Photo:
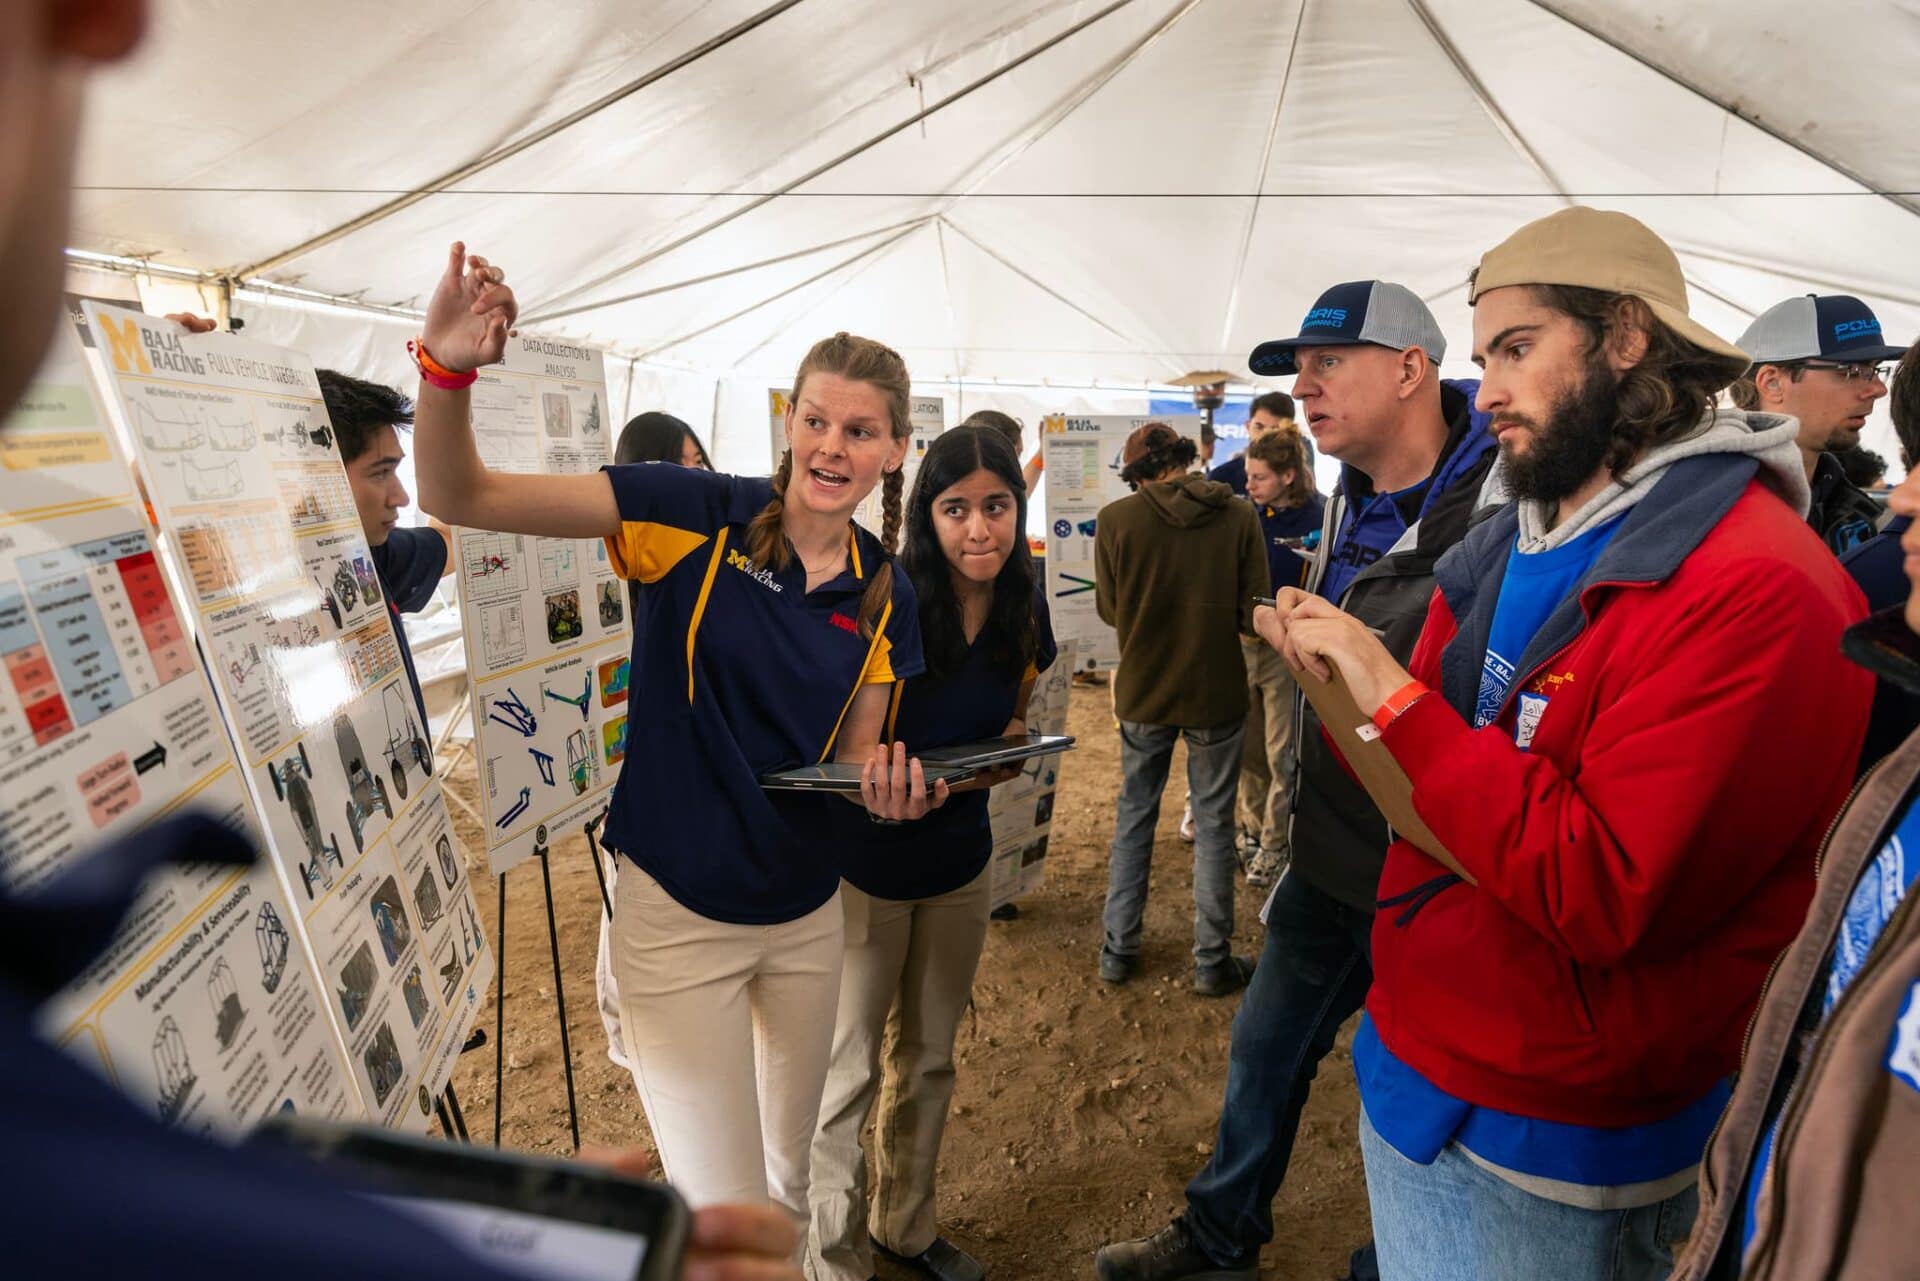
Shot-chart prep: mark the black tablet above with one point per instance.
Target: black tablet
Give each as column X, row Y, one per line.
column 844, row 776
column 526, row 1213
column 989, row 752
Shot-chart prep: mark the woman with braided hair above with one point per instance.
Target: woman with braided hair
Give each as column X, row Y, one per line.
column 773, row 633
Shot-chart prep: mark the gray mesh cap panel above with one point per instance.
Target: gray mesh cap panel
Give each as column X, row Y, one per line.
column 1397, row 318
column 1787, row 330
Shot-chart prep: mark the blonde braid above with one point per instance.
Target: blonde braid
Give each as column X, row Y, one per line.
column 766, row 540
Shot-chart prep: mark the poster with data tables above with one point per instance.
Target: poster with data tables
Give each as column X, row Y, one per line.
column 206, row 1008
column 545, row 619
column 237, row 455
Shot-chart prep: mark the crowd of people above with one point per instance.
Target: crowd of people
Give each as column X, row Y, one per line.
column 1642, row 999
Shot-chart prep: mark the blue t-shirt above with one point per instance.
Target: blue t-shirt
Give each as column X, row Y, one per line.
column 1876, row 896
column 410, row 564
column 1285, row 566
column 1534, row 586
column 738, row 670
column 949, row 847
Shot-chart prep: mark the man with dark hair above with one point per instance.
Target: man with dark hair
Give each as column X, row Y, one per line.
column 1270, row 411
column 1176, row 568
column 410, row 559
column 1619, row 846
column 1819, row 358
column 1415, row 459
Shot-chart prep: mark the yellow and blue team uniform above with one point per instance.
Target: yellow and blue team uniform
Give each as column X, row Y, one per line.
column 737, row 670
column 945, row 850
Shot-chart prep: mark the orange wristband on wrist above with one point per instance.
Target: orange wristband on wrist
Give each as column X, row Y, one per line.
column 438, row 374
column 1398, row 702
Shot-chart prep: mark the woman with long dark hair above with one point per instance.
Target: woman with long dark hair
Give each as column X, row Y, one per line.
column 916, row 894
column 656, row 437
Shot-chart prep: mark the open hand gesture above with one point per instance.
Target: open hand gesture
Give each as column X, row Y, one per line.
column 471, row 313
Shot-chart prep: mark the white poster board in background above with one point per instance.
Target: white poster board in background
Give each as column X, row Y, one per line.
column 1021, row 809
column 206, row 1008
column 544, row 619
column 1082, row 456
column 237, row 452
column 928, row 414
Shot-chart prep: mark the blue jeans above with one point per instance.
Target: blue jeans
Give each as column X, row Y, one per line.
column 1213, row 779
column 1314, row 974
column 1456, row 1219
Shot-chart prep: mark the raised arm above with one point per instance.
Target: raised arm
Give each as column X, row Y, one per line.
column 468, row 323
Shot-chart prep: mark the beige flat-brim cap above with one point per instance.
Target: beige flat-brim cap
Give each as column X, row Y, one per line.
column 1598, row 249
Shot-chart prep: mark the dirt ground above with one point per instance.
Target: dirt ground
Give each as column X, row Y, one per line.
column 1081, row 1108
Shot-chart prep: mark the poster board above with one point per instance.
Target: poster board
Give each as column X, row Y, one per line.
column 206, row 1008
column 1082, row 456
column 239, row 461
column 1020, row 810
column 544, row 620
column 928, row 415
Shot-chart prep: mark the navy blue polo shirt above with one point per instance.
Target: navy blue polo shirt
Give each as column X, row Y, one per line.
column 739, row 670
column 949, row 847
column 1285, row 566
column 410, row 564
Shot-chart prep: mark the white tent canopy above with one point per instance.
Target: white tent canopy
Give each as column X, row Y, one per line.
column 1090, row 194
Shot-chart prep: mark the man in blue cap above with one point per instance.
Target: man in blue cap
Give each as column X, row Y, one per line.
column 1414, row 456
column 1820, row 358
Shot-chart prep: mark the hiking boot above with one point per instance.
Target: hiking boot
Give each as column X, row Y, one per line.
column 1264, row 868
column 1225, row 978
column 1114, row 968
column 1168, row 1255
column 1186, row 824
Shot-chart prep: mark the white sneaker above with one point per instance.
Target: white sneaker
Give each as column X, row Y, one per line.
column 1186, row 823
column 1264, row 868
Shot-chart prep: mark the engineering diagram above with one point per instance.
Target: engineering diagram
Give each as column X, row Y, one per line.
column 355, row 989
column 271, row 940
column 172, row 1068
column 166, row 433
column 293, row 783
column 365, row 792
column 405, row 742
column 212, row 484
column 493, row 563
column 228, row 1013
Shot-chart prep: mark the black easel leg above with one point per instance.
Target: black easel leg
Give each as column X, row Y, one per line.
column 599, row 873
column 446, row 1121
column 459, row 1117
column 500, row 1013
column 560, row 1000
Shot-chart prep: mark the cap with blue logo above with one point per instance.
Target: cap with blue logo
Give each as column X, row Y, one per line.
column 1361, row 311
column 1835, row 327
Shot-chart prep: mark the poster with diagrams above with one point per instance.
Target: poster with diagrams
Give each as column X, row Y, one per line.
column 928, row 414
column 237, row 453
column 545, row 620
column 1021, row 809
column 206, row 1008
column 1082, row 457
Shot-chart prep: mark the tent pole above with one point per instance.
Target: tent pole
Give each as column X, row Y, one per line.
column 1485, row 99
column 1260, row 178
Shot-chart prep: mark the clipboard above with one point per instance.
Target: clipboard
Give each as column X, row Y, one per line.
column 1359, row 742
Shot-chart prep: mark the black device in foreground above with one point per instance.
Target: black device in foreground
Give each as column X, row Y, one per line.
column 989, row 752
column 526, row 1213
column 1886, row 646
column 844, row 776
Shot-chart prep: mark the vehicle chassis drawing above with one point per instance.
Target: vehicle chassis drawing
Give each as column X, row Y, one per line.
column 292, row 784
column 404, row 739
column 365, row 792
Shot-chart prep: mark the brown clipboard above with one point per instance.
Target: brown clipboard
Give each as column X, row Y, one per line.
column 1359, row 742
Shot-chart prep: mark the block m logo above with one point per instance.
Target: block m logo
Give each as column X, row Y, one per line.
column 124, row 344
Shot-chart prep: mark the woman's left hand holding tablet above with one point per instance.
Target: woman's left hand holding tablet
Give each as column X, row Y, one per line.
column 894, row 788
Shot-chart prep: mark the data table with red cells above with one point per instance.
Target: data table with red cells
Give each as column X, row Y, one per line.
column 98, row 632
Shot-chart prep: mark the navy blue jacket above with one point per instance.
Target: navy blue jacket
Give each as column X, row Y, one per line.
column 1877, row 567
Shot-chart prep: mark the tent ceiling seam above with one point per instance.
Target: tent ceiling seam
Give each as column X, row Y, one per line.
column 816, row 304
column 828, row 166
column 1260, row 178
column 500, row 154
column 1772, row 131
column 1877, row 288
column 1487, row 104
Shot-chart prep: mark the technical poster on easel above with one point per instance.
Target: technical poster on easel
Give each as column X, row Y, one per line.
column 927, row 414
column 206, row 1008
column 1082, row 457
column 545, row 620
column 1021, row 809
column 238, row 457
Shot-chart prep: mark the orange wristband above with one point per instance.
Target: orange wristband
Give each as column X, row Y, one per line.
column 1398, row 702
column 436, row 373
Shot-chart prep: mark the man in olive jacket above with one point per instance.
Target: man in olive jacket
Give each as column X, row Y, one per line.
column 1177, row 566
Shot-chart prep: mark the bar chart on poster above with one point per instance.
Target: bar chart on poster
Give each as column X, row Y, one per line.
column 236, row 452
column 545, row 620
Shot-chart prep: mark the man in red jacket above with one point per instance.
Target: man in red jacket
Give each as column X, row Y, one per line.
column 1627, row 726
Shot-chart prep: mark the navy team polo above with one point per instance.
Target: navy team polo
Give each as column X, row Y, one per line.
column 737, row 670
column 949, row 847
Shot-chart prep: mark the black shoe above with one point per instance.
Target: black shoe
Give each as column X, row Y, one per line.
column 943, row 1261
column 1225, row 978
column 1116, row 969
column 1168, row 1255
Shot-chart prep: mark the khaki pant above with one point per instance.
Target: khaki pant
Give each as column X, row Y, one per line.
column 727, row 1029
column 1265, row 806
column 906, row 980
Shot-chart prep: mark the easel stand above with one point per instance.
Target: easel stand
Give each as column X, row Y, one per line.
column 500, row 1004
